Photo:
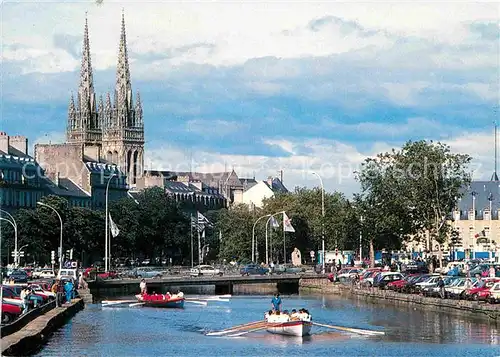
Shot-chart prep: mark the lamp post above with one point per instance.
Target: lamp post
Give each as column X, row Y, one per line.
column 267, row 241
column 61, row 237
column 254, row 243
column 361, row 241
column 106, row 249
column 15, row 233
column 323, row 222
column 20, row 250
column 14, row 224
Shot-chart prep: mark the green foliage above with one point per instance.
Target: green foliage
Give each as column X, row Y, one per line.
column 410, row 192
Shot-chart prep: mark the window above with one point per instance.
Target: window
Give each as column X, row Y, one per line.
column 486, row 215
column 471, row 215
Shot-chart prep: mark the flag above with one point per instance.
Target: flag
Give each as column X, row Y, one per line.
column 114, row 229
column 200, row 222
column 483, row 234
column 274, row 222
column 220, row 236
column 287, row 224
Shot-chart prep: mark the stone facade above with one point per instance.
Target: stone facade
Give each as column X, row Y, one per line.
column 254, row 192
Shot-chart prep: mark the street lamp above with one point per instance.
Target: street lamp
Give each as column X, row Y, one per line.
column 20, row 250
column 14, row 224
column 254, row 243
column 15, row 239
column 267, row 241
column 323, row 222
column 61, row 237
column 360, row 241
column 106, row 249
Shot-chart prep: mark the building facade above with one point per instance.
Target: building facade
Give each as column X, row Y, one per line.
column 254, row 192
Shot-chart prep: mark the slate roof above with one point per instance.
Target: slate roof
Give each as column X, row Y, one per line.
column 98, row 167
column 66, row 188
column 484, row 191
column 248, row 183
column 276, row 185
column 17, row 162
column 215, row 179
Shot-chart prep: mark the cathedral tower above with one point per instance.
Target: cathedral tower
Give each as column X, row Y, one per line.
column 122, row 121
column 84, row 125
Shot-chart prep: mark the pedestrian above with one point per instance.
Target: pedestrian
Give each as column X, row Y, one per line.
column 143, row 287
column 68, row 289
column 440, row 285
column 492, row 271
column 54, row 289
column 25, row 298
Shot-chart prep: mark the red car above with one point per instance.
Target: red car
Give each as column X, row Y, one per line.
column 10, row 312
column 398, row 285
column 482, row 291
column 100, row 274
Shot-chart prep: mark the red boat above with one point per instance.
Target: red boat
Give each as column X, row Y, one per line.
column 160, row 300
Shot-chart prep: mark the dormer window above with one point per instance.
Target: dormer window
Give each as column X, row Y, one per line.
column 456, row 214
column 471, row 215
column 486, row 215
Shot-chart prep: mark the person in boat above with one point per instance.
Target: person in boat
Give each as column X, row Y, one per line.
column 143, row 287
column 294, row 315
column 276, row 302
column 267, row 314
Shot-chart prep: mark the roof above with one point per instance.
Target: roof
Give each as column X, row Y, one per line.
column 19, row 162
column 65, row 188
column 98, row 167
column 177, row 187
column 215, row 179
column 276, row 186
column 483, row 192
column 248, row 183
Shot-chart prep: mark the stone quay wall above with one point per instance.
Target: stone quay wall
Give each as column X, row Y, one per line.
column 31, row 337
column 474, row 309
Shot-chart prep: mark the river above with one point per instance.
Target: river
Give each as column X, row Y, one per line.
column 138, row 331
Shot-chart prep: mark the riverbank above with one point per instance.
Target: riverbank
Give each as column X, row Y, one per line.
column 32, row 336
column 473, row 309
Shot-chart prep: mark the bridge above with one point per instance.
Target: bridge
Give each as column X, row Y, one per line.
column 227, row 284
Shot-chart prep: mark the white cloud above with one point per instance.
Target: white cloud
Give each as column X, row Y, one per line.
column 239, row 31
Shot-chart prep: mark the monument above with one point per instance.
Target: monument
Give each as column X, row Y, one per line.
column 296, row 257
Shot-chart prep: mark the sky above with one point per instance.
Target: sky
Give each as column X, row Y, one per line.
column 264, row 86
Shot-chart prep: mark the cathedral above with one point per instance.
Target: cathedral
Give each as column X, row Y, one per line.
column 114, row 127
column 104, row 135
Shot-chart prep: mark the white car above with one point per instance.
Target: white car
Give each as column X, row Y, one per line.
column 204, row 270
column 45, row 274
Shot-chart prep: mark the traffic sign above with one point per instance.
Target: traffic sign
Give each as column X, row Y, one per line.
column 313, row 253
column 53, row 262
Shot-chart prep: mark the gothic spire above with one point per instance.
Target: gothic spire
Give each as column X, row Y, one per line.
column 86, row 79
column 108, row 109
column 123, row 87
column 71, row 113
column 138, row 110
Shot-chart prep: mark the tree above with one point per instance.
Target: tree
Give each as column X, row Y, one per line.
column 236, row 228
column 411, row 191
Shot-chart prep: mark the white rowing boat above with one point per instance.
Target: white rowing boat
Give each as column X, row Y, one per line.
column 297, row 328
column 284, row 325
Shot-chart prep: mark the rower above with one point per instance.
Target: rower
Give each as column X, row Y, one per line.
column 294, row 315
column 276, row 302
column 143, row 287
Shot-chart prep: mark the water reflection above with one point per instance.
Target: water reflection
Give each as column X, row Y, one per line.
column 98, row 331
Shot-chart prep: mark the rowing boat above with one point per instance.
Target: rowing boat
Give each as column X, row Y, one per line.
column 171, row 302
column 283, row 325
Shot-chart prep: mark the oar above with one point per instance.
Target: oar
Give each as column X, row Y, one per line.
column 197, row 302
column 353, row 330
column 116, row 302
column 245, row 332
column 256, row 324
column 136, row 304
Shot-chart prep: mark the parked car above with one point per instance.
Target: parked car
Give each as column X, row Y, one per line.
column 458, row 288
column 18, row 276
column 205, row 270
column 433, row 290
column 495, row 293
column 416, row 267
column 397, row 285
column 68, row 274
column 287, row 269
column 482, row 291
column 146, row 272
column 386, row 279
column 10, row 312
column 44, row 274
column 347, row 273
column 253, row 269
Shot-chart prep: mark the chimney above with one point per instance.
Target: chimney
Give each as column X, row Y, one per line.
column 270, row 181
column 57, row 179
column 20, row 143
column 4, row 142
